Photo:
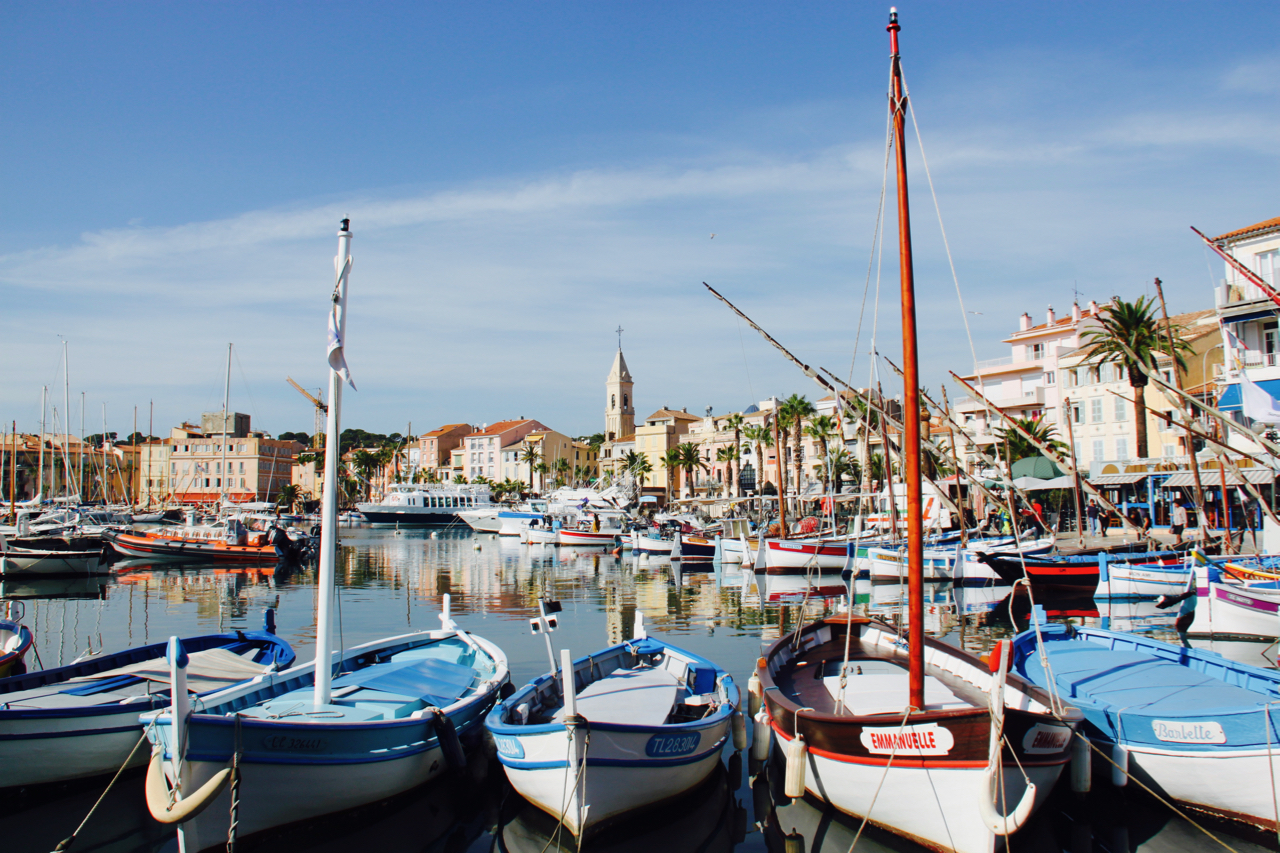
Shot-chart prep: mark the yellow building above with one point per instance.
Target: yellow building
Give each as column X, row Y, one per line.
column 660, row 432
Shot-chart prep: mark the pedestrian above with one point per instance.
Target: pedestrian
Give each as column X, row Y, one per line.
column 1091, row 511
column 1146, row 522
column 1104, row 521
column 1179, row 522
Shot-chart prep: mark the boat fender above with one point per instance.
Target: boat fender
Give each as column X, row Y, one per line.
column 754, row 694
column 797, row 758
column 996, row 822
column 315, row 530
column 450, row 744
column 739, row 731
column 762, row 735
column 506, row 691
column 793, row 843
column 186, row 808
column 1081, row 765
column 1119, row 770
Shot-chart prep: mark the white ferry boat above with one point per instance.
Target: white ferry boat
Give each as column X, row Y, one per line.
column 409, row 505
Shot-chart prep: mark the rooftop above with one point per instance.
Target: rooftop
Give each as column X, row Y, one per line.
column 1251, row 230
column 500, row 427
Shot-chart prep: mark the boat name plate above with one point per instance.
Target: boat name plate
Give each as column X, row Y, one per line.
column 509, row 746
column 1043, row 739
column 295, row 744
column 929, row 739
column 1189, row 731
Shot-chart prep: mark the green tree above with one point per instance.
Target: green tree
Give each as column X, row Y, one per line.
column 365, row 463
column 690, row 460
column 791, row 416
column 459, row 479
column 672, row 461
column 638, row 464
column 289, row 496
column 1020, row 448
column 541, row 468
column 840, row 463
column 822, row 429
column 735, row 422
column 1134, row 325
column 531, row 457
column 763, row 437
column 561, row 468
column 728, row 456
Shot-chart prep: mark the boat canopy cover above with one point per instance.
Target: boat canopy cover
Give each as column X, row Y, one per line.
column 207, row 670
column 1137, row 696
column 436, row 682
column 1211, row 478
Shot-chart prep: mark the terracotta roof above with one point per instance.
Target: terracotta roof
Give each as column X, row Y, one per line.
column 631, row 437
column 1248, row 231
column 671, row 413
column 436, row 433
column 1060, row 322
column 499, row 427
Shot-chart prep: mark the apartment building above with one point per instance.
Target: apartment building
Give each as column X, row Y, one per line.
column 482, row 449
column 1248, row 312
column 255, row 466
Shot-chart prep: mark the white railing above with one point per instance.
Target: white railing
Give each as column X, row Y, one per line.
column 995, row 362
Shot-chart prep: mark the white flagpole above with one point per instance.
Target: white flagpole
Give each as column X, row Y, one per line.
column 329, row 505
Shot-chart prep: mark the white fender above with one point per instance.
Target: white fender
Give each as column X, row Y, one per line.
column 996, row 822
column 763, row 735
column 797, row 758
column 739, row 731
column 186, row 808
column 754, row 694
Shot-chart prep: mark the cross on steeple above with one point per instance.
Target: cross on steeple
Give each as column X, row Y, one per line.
column 619, row 330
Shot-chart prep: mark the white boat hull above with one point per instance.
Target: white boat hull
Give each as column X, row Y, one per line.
column 935, row 805
column 1237, row 610
column 44, row 749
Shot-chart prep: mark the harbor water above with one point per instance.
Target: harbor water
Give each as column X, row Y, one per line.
column 392, row 582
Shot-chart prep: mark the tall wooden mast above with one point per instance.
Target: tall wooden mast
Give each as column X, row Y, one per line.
column 911, row 389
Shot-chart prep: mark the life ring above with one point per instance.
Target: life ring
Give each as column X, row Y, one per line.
column 186, row 808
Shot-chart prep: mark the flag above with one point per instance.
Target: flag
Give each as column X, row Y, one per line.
column 1256, row 403
column 338, row 361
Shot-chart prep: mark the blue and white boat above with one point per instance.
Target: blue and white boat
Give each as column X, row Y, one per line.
column 350, row 728
column 1198, row 727
column 81, row 720
column 639, row 723
column 1126, row 579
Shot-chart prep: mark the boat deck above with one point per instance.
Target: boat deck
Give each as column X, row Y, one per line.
column 876, row 683
column 639, row 697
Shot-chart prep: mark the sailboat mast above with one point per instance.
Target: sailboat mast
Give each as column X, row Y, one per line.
column 66, row 417
column 911, row 387
column 80, row 484
column 226, row 402
column 44, row 402
column 329, row 494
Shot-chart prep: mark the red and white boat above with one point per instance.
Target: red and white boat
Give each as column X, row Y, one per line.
column 211, row 543
column 580, row 538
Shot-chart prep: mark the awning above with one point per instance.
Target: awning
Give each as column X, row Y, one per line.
column 1230, row 399
column 1120, row 479
column 1211, row 478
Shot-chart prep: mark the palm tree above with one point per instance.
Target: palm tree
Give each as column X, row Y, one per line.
column 639, row 465
column 1018, row 445
column 540, row 468
column 459, row 479
column 690, row 460
column 839, row 463
column 822, row 429
column 763, row 437
column 531, row 457
column 365, row 464
column 673, row 462
column 875, row 467
column 289, row 496
column 735, row 422
column 561, row 467
column 791, row 415
column 1134, row 325
column 729, row 456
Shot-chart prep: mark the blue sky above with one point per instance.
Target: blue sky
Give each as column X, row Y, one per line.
column 524, row 177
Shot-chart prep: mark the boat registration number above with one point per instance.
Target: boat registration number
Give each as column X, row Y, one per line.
column 666, row 746
column 509, row 746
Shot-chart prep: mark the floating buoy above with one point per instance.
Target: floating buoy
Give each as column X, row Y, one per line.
column 476, row 547
column 188, row 807
column 739, row 731
column 762, row 735
column 797, row 758
column 754, row 694
column 1081, row 765
column 1119, row 770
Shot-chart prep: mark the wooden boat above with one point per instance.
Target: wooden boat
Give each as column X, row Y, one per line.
column 1197, row 727
column 82, row 720
column 204, row 544
column 16, row 640
column 1067, row 575
column 350, row 728
column 1124, row 579
column 910, row 733
column 1252, row 568
column 587, row 537
column 49, row 555
column 1249, row 610
column 624, row 729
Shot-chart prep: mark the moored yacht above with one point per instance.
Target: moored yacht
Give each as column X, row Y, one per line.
column 409, row 504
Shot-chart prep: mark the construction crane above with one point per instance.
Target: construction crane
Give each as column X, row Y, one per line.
column 322, row 411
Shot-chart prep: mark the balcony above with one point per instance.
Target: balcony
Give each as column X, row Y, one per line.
column 995, row 362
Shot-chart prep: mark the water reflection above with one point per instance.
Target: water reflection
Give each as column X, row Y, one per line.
column 390, row 583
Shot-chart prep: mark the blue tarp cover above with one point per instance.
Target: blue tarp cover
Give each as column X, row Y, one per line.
column 436, row 682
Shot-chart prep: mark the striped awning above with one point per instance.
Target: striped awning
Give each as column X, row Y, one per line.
column 1211, row 477
column 1119, row 479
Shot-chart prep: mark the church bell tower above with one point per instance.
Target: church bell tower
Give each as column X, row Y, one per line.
column 619, row 407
